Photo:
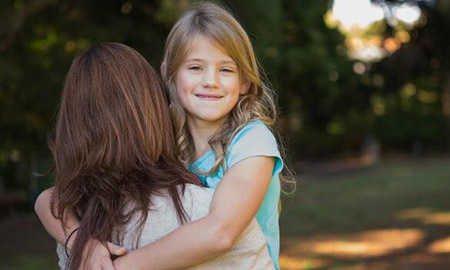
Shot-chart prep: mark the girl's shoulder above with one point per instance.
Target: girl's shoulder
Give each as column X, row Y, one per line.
column 254, row 139
column 254, row 129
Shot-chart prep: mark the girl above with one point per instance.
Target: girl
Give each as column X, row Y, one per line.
column 116, row 165
column 222, row 111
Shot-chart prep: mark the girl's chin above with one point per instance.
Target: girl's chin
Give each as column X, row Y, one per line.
column 209, row 119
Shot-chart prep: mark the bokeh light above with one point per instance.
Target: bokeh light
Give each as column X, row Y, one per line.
column 407, row 13
column 364, row 24
column 367, row 13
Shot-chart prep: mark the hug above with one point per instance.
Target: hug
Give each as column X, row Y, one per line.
column 181, row 172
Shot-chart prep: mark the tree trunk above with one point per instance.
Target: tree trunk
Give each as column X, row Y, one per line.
column 446, row 104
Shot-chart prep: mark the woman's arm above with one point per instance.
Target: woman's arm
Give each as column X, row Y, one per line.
column 235, row 202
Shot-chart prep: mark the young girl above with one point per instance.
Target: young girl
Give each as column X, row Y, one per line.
column 116, row 164
column 222, row 111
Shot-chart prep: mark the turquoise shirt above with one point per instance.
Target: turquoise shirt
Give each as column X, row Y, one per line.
column 254, row 139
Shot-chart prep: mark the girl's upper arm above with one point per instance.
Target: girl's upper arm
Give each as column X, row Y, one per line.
column 234, row 204
column 241, row 192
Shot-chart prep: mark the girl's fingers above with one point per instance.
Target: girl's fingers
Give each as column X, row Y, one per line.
column 116, row 250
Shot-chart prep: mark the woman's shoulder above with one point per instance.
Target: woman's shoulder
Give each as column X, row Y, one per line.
column 199, row 192
column 196, row 201
column 190, row 193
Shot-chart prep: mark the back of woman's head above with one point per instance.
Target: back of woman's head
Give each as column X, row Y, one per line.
column 113, row 113
column 113, row 143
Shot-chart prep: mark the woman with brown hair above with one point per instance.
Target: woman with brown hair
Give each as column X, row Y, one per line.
column 116, row 164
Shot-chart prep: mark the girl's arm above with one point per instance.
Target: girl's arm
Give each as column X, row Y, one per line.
column 53, row 225
column 234, row 204
column 100, row 256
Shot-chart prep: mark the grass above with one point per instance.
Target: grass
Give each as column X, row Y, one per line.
column 345, row 204
column 29, row 262
column 344, row 207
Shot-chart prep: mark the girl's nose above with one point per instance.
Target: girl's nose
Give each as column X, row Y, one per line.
column 210, row 79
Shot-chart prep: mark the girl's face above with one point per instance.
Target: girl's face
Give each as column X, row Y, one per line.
column 208, row 83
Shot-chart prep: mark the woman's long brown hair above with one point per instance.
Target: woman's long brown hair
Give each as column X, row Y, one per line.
column 113, row 145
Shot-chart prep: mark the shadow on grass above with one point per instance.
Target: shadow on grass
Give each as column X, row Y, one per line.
column 395, row 215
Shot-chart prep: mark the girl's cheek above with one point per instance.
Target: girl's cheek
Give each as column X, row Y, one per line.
column 181, row 83
column 187, row 80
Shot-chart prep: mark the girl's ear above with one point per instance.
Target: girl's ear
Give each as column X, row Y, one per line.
column 245, row 87
column 163, row 69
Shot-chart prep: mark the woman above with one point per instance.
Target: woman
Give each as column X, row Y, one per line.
column 116, row 165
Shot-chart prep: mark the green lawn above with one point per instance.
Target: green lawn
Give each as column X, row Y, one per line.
column 344, row 208
column 372, row 199
column 30, row 262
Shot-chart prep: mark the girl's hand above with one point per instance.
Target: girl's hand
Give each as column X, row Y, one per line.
column 126, row 262
column 100, row 257
column 121, row 264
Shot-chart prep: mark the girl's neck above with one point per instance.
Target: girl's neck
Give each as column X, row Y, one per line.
column 201, row 132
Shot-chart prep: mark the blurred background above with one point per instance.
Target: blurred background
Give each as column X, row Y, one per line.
column 364, row 91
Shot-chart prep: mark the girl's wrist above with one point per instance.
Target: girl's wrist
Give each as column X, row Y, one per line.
column 128, row 261
column 120, row 263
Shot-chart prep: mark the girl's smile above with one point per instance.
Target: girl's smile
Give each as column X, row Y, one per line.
column 208, row 97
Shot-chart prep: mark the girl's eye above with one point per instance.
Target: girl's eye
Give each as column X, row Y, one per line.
column 227, row 70
column 196, row 68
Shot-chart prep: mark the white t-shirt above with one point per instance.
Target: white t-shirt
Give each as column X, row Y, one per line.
column 249, row 252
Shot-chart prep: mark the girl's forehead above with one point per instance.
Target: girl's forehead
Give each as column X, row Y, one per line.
column 203, row 47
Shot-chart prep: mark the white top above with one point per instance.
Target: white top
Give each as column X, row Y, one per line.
column 249, row 252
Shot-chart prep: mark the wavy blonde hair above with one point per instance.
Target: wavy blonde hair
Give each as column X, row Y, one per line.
column 217, row 24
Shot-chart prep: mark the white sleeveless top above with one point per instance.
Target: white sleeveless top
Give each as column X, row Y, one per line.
column 249, row 252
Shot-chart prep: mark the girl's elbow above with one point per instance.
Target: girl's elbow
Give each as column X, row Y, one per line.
column 224, row 244
column 38, row 203
column 42, row 201
column 224, row 239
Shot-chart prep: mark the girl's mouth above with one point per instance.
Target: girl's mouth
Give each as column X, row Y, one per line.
column 210, row 97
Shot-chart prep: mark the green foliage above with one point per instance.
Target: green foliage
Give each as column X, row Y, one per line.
column 41, row 39
column 326, row 108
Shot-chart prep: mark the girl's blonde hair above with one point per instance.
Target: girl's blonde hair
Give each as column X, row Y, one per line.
column 214, row 22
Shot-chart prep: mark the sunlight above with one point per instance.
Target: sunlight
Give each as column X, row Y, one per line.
column 426, row 216
column 304, row 263
column 357, row 245
column 367, row 13
column 407, row 13
column 367, row 53
column 362, row 21
column 370, row 244
column 440, row 246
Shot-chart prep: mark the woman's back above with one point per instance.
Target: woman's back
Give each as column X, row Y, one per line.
column 249, row 252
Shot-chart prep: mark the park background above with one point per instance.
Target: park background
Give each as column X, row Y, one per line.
column 364, row 93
